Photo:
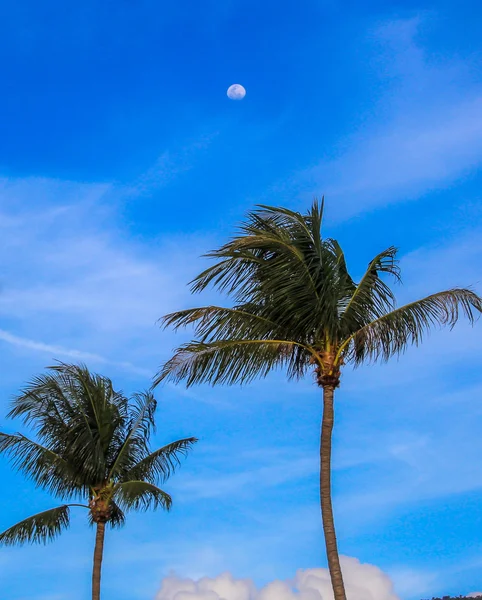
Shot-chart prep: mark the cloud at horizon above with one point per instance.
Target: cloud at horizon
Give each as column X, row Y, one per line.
column 363, row 582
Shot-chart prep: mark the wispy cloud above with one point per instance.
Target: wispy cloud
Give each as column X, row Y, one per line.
column 71, row 278
column 250, row 471
column 427, row 132
column 60, row 352
column 168, row 167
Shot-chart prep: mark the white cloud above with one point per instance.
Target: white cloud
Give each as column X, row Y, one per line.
column 224, row 586
column 362, row 581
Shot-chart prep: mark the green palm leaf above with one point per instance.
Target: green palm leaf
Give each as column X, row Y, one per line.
column 141, row 495
column 240, row 322
column 39, row 528
column 270, row 239
column 372, row 298
column 394, row 331
column 234, row 361
column 43, row 465
column 160, row 464
column 134, row 446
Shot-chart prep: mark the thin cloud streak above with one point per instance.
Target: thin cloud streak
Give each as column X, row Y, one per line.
column 167, row 168
column 77, row 275
column 426, row 136
column 215, row 485
column 56, row 351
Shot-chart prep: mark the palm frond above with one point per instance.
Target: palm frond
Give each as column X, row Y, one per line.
column 393, row 332
column 371, row 298
column 234, row 361
column 233, row 267
column 274, row 238
column 302, row 231
column 160, row 464
column 135, row 441
column 39, row 528
column 48, row 469
column 216, row 322
column 43, row 404
column 285, row 219
column 141, row 495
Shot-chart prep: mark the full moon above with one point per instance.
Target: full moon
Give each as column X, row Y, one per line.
column 236, row 92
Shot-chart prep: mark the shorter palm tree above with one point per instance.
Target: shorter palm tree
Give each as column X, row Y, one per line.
column 93, row 449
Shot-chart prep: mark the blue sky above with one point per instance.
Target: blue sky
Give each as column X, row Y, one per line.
column 122, row 161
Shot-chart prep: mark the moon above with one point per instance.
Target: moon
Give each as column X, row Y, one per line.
column 236, row 92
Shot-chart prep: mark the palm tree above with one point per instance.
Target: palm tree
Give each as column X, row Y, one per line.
column 296, row 306
column 93, row 445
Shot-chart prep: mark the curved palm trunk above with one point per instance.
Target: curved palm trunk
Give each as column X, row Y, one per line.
column 98, row 554
column 325, row 494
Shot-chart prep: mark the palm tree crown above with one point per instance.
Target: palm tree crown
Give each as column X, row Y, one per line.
column 297, row 306
column 92, row 451
column 93, row 443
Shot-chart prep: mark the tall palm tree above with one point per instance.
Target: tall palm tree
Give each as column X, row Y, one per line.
column 297, row 307
column 93, row 448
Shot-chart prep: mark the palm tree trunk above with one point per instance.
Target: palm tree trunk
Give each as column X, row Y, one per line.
column 325, row 494
column 98, row 554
